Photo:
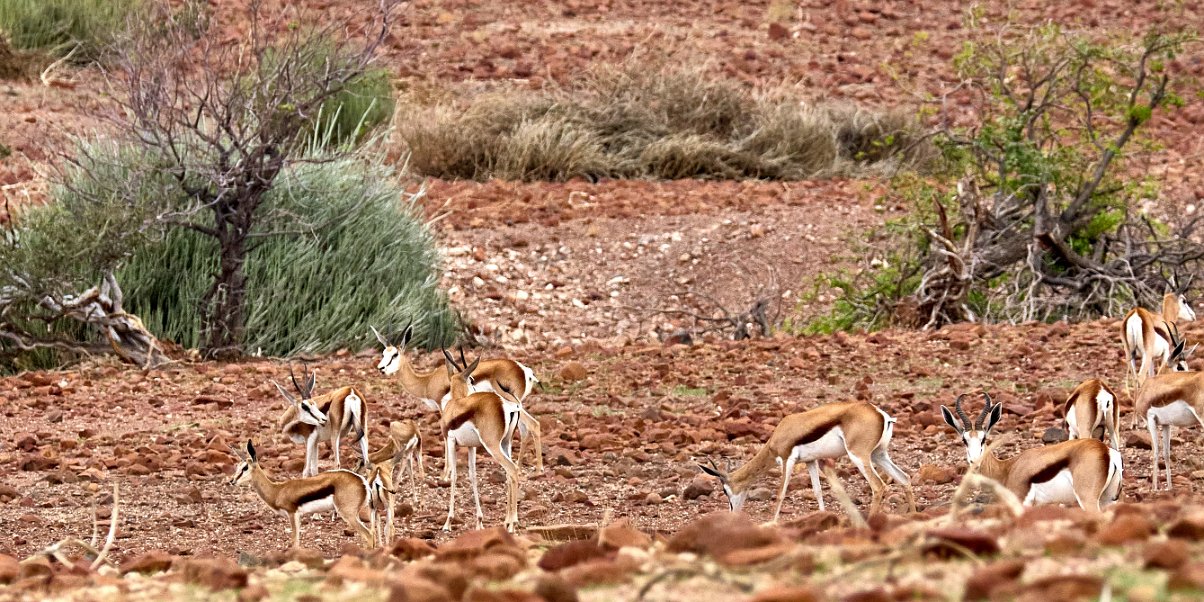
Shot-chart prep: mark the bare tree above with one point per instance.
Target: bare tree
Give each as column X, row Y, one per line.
column 223, row 120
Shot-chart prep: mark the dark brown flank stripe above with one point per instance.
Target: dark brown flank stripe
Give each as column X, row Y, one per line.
column 457, row 422
column 315, row 495
column 1050, row 471
column 816, row 433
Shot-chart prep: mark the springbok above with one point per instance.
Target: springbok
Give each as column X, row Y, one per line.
column 1093, row 405
column 403, row 450
column 856, row 429
column 1148, row 335
column 1081, row 471
column 310, row 420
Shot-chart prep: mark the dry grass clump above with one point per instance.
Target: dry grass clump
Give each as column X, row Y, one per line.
column 637, row 121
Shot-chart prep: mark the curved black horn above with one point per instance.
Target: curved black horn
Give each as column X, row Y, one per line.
column 957, row 405
column 296, row 385
column 463, row 362
column 451, row 360
column 986, row 409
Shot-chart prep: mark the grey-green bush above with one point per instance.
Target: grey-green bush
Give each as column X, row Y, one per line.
column 58, row 26
column 370, row 261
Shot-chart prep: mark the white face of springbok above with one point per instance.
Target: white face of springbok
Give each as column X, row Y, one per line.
column 735, row 499
column 1186, row 313
column 307, row 411
column 242, row 472
column 390, row 357
column 973, row 434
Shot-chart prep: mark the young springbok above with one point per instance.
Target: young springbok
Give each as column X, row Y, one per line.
column 337, row 413
column 1080, row 471
column 434, row 389
column 343, row 491
column 403, row 450
column 857, row 429
column 1148, row 335
column 1093, row 405
column 482, row 419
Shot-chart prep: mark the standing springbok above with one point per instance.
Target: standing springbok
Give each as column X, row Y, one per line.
column 434, row 389
column 482, row 419
column 1149, row 335
column 403, row 450
column 1080, row 471
column 1165, row 400
column 337, row 413
column 1093, row 405
column 855, row 429
column 343, row 491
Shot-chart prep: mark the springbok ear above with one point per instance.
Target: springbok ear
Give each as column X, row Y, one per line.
column 950, row 420
column 310, row 382
column 238, row 453
column 251, row 451
column 451, row 361
column 996, row 414
column 712, row 472
column 289, row 400
column 407, row 334
column 472, row 368
column 380, row 339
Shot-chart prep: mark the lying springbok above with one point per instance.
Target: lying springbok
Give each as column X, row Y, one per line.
column 1148, row 335
column 1093, row 405
column 479, row 420
column 403, row 450
column 343, row 491
column 506, row 376
column 1080, row 471
column 327, row 417
column 856, row 429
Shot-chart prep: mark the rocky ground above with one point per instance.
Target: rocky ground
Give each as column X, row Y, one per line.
column 579, row 281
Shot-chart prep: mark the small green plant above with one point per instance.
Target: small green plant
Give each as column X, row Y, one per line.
column 687, row 391
column 82, row 28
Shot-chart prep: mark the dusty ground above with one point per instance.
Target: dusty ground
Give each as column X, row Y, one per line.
column 569, row 278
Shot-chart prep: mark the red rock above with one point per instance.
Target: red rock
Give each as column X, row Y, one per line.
column 939, row 475
column 698, row 487
column 253, row 593
column 721, row 533
column 35, row 566
column 8, row 493
column 27, row 442
column 1124, row 529
column 37, row 462
column 553, row 588
column 572, row 553
column 153, row 561
column 1169, row 554
column 1190, row 576
column 452, row 578
column 753, row 556
column 1137, row 440
column 1189, row 527
column 620, row 534
column 1064, row 587
column 475, row 543
column 992, row 577
column 573, row 372
column 410, row 548
column 868, row 595
column 496, row 566
column 785, row 594
column 777, row 32
column 978, row 542
column 599, row 572
column 309, row 557
column 816, row 522
column 482, row 594
column 214, row 573
column 9, row 568
column 417, row 589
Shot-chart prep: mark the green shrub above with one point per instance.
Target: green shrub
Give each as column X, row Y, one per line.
column 370, row 261
column 58, row 26
column 364, row 104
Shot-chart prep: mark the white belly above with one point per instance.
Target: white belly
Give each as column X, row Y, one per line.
column 831, row 445
column 466, row 436
column 1058, row 490
column 1178, row 413
column 325, row 504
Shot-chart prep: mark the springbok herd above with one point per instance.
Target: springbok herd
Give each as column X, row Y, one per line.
column 480, row 405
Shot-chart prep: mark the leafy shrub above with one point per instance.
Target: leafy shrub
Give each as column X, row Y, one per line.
column 59, row 26
column 364, row 104
column 367, row 259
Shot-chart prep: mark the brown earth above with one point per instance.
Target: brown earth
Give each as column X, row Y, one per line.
column 574, row 277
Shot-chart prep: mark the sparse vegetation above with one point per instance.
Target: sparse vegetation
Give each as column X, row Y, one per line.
column 1045, row 220
column 363, row 105
column 641, row 121
column 81, row 28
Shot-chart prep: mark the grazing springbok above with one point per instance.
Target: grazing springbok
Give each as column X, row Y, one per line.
column 479, row 420
column 328, row 417
column 1093, row 406
column 403, row 450
column 1079, row 471
column 855, row 429
column 1148, row 335
column 342, row 491
column 434, row 389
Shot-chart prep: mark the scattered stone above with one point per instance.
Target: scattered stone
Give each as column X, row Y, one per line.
column 474, row 543
column 573, row 372
column 1137, row 440
column 721, row 533
column 8, row 493
column 553, row 588
column 1125, row 529
column 698, row 487
column 778, row 32
column 418, row 589
column 1169, row 554
column 1064, row 587
column 9, row 569
column 939, row 475
column 214, row 573
column 1190, row 576
column 411, row 548
column 1188, row 527
column 153, row 561
column 995, row 576
column 572, row 553
column 978, row 542
column 620, row 534
column 1054, row 435
column 785, row 594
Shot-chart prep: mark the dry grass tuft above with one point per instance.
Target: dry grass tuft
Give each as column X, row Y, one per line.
column 646, row 121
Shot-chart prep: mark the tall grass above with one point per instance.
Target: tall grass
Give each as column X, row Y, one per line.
column 62, row 26
column 368, row 259
column 364, row 104
column 641, row 121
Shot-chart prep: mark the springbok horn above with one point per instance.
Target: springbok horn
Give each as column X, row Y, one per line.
column 986, row 409
column 957, row 405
